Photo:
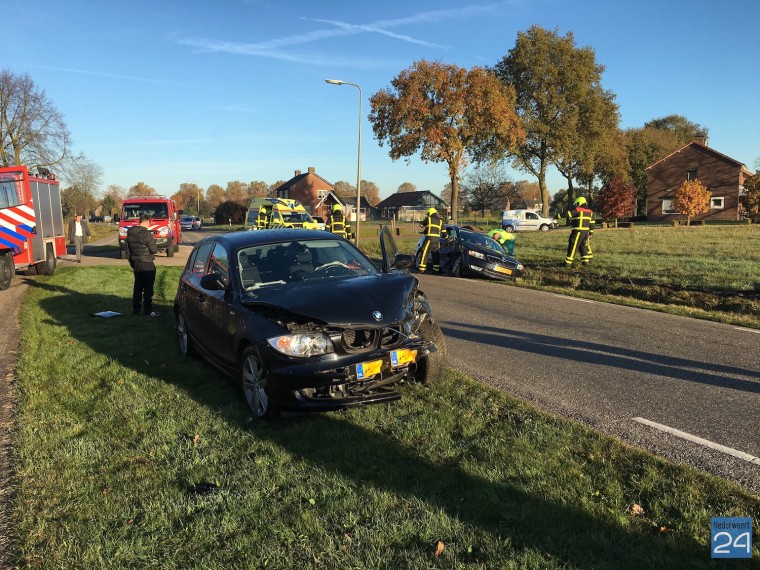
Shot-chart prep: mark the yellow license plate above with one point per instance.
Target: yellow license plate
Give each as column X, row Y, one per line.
column 368, row 369
column 402, row 357
column 500, row 269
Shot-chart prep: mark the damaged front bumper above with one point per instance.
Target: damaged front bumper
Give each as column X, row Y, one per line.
column 348, row 380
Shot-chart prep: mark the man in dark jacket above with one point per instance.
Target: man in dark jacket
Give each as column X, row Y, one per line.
column 78, row 233
column 141, row 250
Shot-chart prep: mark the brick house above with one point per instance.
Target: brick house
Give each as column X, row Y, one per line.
column 314, row 192
column 722, row 175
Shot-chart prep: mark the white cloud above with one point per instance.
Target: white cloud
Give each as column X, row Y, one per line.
column 273, row 48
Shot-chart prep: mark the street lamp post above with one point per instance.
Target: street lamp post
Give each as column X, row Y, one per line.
column 359, row 156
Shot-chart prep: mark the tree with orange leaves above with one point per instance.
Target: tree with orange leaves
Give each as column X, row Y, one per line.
column 691, row 199
column 447, row 114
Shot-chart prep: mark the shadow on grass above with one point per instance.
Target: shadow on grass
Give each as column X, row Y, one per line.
column 372, row 459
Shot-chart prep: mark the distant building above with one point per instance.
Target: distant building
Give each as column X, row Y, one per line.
column 314, row 192
column 723, row 176
column 411, row 206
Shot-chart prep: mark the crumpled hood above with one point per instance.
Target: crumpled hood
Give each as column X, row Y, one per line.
column 343, row 302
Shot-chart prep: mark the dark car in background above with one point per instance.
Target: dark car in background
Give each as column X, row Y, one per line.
column 467, row 252
column 305, row 321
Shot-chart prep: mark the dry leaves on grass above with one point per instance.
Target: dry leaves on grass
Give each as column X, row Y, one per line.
column 438, row 548
column 637, row 509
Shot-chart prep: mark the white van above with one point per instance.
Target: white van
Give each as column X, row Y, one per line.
column 525, row 221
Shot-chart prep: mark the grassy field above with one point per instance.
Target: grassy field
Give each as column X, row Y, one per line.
column 710, row 272
column 128, row 455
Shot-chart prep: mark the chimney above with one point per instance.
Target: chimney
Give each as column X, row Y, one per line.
column 298, row 173
column 701, row 138
column 311, row 170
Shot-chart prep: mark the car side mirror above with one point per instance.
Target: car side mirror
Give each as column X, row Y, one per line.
column 403, row 261
column 213, row 282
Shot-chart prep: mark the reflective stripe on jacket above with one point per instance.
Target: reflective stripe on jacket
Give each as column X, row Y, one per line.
column 262, row 220
column 432, row 225
column 581, row 218
column 336, row 223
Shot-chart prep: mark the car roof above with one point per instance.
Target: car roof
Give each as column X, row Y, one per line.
column 236, row 240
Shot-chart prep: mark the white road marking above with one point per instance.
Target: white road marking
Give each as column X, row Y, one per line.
column 700, row 441
column 573, row 298
column 756, row 331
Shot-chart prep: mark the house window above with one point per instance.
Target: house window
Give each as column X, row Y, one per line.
column 667, row 207
column 716, row 203
column 321, row 194
column 691, row 174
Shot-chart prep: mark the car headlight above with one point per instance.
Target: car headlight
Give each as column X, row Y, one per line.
column 123, row 232
column 301, row 345
column 520, row 266
column 476, row 254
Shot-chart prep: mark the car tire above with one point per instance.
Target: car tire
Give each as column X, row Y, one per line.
column 418, row 259
column 431, row 367
column 123, row 254
column 509, row 228
column 253, row 383
column 170, row 250
column 544, row 228
column 176, row 247
column 185, row 342
column 47, row 267
column 7, row 270
column 456, row 268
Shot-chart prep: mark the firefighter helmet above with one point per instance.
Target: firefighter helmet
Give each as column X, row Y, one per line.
column 263, row 210
column 579, row 201
column 337, row 208
column 432, row 211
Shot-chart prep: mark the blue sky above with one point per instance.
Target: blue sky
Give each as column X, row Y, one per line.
column 172, row 91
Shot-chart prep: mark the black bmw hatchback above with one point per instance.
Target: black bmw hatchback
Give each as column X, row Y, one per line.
column 305, row 321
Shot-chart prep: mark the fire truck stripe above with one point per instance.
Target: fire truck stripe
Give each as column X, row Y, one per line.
column 13, row 216
column 16, row 249
column 11, row 234
column 25, row 228
column 27, row 210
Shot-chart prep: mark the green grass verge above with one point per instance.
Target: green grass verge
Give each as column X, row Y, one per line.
column 114, row 428
column 708, row 272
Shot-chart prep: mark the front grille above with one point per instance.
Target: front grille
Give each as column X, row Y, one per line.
column 359, row 340
column 498, row 261
column 390, row 338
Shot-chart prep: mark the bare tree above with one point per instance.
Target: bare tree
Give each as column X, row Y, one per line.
column 487, row 187
column 32, row 130
column 85, row 175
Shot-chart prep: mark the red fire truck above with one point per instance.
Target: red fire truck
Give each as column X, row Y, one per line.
column 164, row 221
column 31, row 223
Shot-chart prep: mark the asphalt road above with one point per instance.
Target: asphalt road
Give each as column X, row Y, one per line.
column 604, row 364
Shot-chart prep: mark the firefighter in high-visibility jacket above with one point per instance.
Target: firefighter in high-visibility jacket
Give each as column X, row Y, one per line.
column 262, row 219
column 336, row 222
column 581, row 220
column 431, row 227
column 506, row 239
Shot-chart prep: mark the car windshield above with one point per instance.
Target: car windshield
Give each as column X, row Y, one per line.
column 481, row 240
column 296, row 217
column 186, row 219
column 300, row 261
column 152, row 209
